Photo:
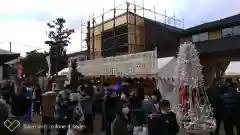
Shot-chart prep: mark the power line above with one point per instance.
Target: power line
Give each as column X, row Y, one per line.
column 30, row 46
column 21, row 44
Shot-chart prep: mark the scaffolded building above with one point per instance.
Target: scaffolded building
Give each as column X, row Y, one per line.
column 131, row 32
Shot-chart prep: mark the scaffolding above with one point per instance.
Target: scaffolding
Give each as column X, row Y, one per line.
column 116, row 11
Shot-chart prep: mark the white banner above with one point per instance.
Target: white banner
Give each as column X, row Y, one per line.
column 125, row 65
column 133, row 64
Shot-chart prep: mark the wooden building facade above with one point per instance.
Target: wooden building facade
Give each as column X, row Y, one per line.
column 130, row 33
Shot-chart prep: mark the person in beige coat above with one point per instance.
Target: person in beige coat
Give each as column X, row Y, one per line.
column 48, row 104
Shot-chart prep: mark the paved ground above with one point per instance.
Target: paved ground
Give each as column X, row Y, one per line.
column 37, row 120
column 97, row 124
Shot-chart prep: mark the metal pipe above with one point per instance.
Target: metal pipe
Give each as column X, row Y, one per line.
column 143, row 7
column 135, row 25
column 93, row 38
column 127, row 21
column 157, row 13
column 114, row 17
column 102, row 37
column 81, row 34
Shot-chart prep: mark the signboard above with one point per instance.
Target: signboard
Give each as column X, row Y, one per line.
column 125, row 65
column 132, row 64
column 91, row 67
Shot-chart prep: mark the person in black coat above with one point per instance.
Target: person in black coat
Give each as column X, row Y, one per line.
column 164, row 122
column 214, row 93
column 230, row 108
column 19, row 106
column 110, row 109
column 37, row 100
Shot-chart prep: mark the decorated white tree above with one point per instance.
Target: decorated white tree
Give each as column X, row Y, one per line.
column 196, row 112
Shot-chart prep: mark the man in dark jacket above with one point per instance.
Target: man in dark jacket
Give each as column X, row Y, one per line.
column 19, row 106
column 164, row 122
column 213, row 94
column 38, row 99
column 110, row 109
column 230, row 100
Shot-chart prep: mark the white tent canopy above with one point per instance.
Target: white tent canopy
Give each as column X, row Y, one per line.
column 167, row 70
column 233, row 69
column 167, row 67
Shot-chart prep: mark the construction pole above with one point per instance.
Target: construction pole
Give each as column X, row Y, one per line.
column 135, row 26
column 165, row 17
column 129, row 46
column 114, row 25
column 93, row 38
column 88, row 38
column 81, row 33
column 154, row 12
column 183, row 23
column 127, row 12
column 143, row 7
column 174, row 19
column 10, row 46
column 102, row 37
column 165, row 24
column 114, row 16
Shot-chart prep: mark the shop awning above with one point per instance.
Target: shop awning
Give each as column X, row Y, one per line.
column 14, row 61
column 7, row 56
column 233, row 69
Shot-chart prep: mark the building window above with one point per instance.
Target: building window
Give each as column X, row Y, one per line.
column 200, row 37
column 236, row 30
column 203, row 36
column 195, row 38
column 227, row 32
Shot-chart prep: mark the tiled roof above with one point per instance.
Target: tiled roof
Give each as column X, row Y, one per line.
column 4, row 52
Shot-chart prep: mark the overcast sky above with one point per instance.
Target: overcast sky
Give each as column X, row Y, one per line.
column 23, row 22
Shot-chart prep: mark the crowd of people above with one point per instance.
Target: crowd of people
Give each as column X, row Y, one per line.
column 225, row 100
column 124, row 110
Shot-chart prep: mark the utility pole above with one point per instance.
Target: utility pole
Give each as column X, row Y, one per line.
column 10, row 46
